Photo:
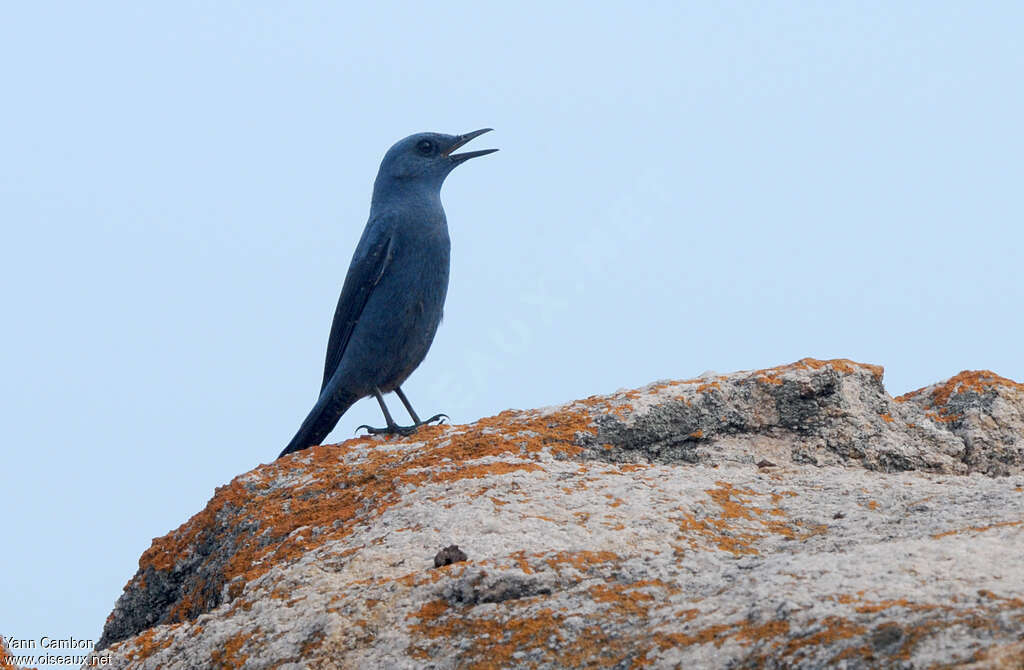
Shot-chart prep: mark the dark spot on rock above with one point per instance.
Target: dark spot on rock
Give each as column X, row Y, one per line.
column 886, row 637
column 765, row 463
column 839, row 515
column 478, row 588
column 448, row 555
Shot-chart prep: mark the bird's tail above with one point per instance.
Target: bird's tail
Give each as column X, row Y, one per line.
column 321, row 420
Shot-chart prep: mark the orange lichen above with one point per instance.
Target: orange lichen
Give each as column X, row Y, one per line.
column 846, row 598
column 1001, row 656
column 977, row 529
column 494, row 637
column 862, row 652
column 520, row 558
column 625, row 597
column 763, row 631
column 943, row 416
column 524, row 624
column 488, row 470
column 841, row 365
column 581, row 560
column 1013, row 602
column 345, row 485
column 229, row 654
column 429, row 611
column 844, row 365
column 908, row 632
column 870, row 608
column 836, row 629
column 310, row 644
column 143, row 646
column 741, row 524
column 977, row 381
column 419, row 578
column 655, row 388
column 717, row 634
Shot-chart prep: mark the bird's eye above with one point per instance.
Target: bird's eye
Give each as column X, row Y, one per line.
column 425, row 147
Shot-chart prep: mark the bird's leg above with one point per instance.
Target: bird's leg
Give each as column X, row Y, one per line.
column 415, row 419
column 408, row 406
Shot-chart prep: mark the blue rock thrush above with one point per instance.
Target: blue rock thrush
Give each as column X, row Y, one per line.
column 393, row 296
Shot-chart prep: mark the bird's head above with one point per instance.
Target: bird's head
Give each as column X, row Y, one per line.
column 423, row 160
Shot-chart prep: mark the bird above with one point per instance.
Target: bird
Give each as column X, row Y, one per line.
column 393, row 296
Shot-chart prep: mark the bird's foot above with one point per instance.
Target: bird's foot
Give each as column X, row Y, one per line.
column 388, row 430
column 395, row 429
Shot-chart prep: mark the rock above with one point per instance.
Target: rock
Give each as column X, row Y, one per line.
column 985, row 411
column 448, row 555
column 791, row 517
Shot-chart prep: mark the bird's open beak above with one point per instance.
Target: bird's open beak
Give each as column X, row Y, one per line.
column 463, row 139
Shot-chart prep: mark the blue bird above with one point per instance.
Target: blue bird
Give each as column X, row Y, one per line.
column 393, row 295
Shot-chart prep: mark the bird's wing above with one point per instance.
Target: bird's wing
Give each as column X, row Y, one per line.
column 371, row 259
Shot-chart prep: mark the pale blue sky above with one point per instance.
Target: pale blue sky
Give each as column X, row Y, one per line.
column 680, row 187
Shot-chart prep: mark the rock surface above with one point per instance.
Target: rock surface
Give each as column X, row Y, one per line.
column 792, row 517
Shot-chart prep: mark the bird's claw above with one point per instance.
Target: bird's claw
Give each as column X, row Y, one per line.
column 437, row 417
